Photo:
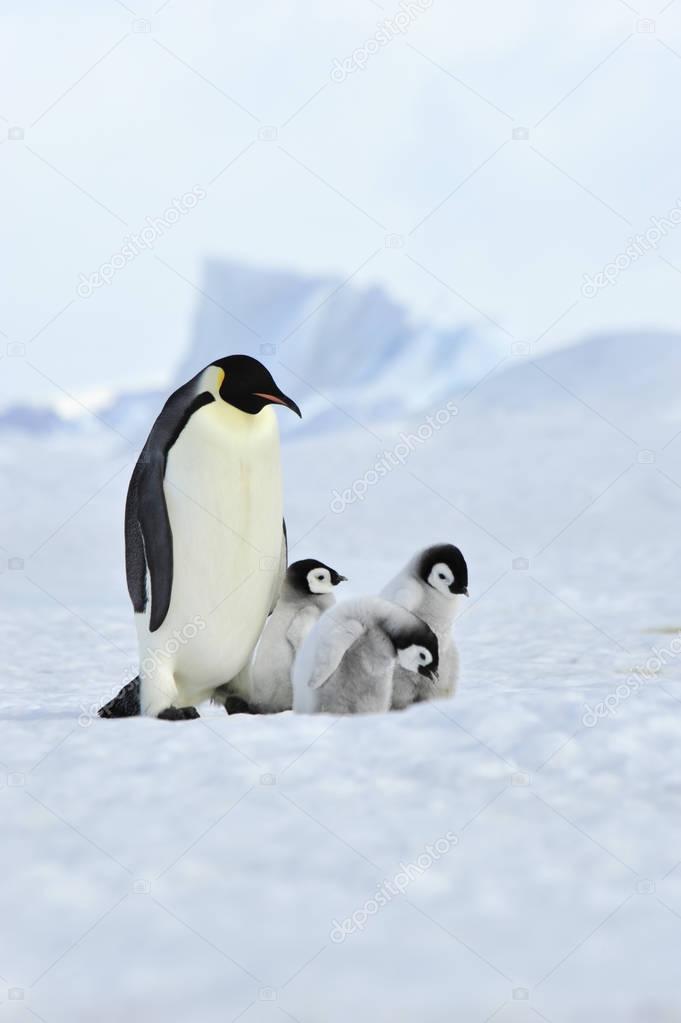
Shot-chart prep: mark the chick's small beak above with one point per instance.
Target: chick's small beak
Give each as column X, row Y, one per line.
column 280, row 399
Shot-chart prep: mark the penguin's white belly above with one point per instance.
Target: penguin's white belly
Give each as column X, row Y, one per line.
column 224, row 497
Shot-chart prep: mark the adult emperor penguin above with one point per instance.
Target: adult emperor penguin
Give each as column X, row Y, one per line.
column 308, row 592
column 346, row 664
column 430, row 585
column 205, row 548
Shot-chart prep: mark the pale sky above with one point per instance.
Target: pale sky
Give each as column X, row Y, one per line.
column 493, row 230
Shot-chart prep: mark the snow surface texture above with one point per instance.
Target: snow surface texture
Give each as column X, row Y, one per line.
column 163, row 872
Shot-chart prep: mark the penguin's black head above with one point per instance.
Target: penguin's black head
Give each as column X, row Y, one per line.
column 313, row 577
column 444, row 568
column 418, row 650
column 249, row 386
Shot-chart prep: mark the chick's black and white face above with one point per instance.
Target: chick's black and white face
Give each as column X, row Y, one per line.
column 441, row 578
column 417, row 659
column 444, row 569
column 313, row 577
column 319, row 581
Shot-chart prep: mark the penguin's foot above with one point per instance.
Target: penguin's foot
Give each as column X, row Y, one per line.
column 126, row 704
column 179, row 714
column 235, row 705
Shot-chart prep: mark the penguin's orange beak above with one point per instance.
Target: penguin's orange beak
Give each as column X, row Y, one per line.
column 280, row 399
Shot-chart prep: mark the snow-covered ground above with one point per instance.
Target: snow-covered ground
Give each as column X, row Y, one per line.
column 163, row 872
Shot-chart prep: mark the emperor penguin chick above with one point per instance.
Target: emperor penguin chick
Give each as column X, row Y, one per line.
column 430, row 586
column 346, row 664
column 308, row 592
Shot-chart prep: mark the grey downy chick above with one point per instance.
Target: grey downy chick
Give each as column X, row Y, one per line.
column 346, row 664
column 430, row 586
column 308, row 592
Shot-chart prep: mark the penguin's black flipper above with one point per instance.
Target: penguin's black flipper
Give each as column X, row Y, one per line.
column 126, row 704
column 154, row 524
column 148, row 534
